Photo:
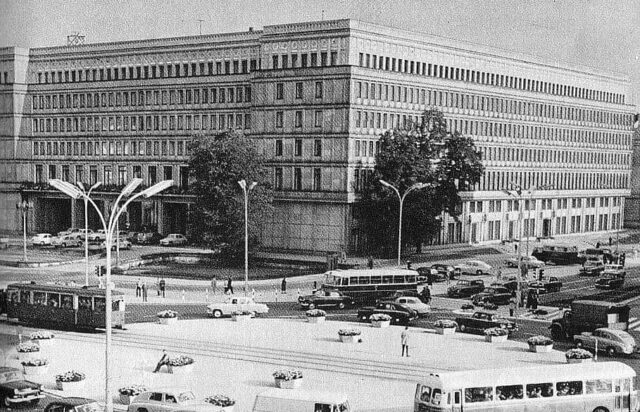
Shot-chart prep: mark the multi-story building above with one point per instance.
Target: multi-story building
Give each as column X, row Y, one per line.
column 315, row 96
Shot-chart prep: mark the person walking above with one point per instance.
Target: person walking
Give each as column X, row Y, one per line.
column 283, row 286
column 404, row 340
column 158, row 285
column 214, row 285
column 139, row 288
column 164, row 360
column 512, row 304
column 144, row 291
column 534, row 299
column 370, row 262
column 229, row 286
column 315, row 284
column 163, row 285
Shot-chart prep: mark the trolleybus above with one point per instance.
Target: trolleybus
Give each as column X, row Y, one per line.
column 368, row 285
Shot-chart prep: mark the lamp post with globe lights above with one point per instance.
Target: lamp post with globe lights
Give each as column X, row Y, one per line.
column 86, row 228
column 24, row 207
column 245, row 190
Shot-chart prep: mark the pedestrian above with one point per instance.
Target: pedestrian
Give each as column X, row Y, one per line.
column 610, row 241
column 530, row 298
column 512, row 304
column 158, row 285
column 283, row 286
column 515, row 247
column 370, row 262
column 139, row 288
column 163, row 285
column 426, row 295
column 597, row 245
column 534, row 299
column 229, row 286
column 144, row 291
column 164, row 360
column 315, row 284
column 404, row 340
column 214, row 285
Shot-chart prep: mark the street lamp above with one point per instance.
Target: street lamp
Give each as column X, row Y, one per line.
column 245, row 190
column 415, row 186
column 86, row 229
column 518, row 196
column 75, row 193
column 24, row 207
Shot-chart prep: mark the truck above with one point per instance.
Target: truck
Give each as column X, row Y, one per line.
column 587, row 316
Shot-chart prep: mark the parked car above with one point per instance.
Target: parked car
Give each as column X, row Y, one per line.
column 495, row 295
column 414, row 303
column 80, row 233
column 73, row 404
column 173, row 240
column 612, row 341
column 424, row 295
column 124, row 244
column 465, row 288
column 512, row 284
column 399, row 313
column 612, row 277
column 42, row 239
column 527, row 261
column 170, row 400
column 241, row 304
column 15, row 389
column 98, row 235
column 473, row 267
column 148, row 238
column 592, row 267
column 443, row 270
column 66, row 241
column 547, row 284
column 325, row 298
column 480, row 321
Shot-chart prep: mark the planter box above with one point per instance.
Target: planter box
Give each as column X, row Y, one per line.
column 240, row 318
column 496, row 339
column 168, row 321
column 445, row 331
column 580, row 360
column 348, row 339
column 183, row 370
column 540, row 348
column 290, row 384
column 127, row 399
column 75, row 387
column 25, row 356
column 316, row 319
column 380, row 323
column 35, row 370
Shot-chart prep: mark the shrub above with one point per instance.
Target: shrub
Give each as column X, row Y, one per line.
column 26, row 347
column 181, row 360
column 70, row 376
column 380, row 317
column 349, row 332
column 315, row 313
column 220, row 400
column 578, row 353
column 287, row 374
column 167, row 314
column 540, row 340
column 132, row 390
column 35, row 362
column 496, row 332
column 445, row 323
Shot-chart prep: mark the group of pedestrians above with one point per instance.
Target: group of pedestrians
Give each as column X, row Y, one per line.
column 228, row 288
column 142, row 289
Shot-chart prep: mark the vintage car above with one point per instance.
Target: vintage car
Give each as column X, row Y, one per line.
column 495, row 295
column 424, row 295
column 592, row 267
column 547, row 284
column 414, row 303
column 436, row 273
column 147, row 238
column 512, row 284
column 473, row 267
column 612, row 341
column 531, row 262
column 97, row 235
column 324, row 299
column 399, row 313
column 465, row 288
column 42, row 239
column 173, row 240
column 612, row 277
column 15, row 389
column 480, row 321
column 236, row 304
column 70, row 240
column 169, row 400
column 123, row 243
column 73, row 404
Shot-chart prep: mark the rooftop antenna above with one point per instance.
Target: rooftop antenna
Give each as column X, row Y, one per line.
column 200, row 22
column 75, row 39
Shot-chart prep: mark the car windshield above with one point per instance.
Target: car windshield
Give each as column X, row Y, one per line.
column 10, row 376
column 186, row 396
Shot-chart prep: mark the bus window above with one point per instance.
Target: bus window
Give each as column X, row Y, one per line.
column 398, row 279
column 505, row 393
column 66, row 301
column 411, row 279
column 482, row 394
column 539, row 390
column 436, row 396
column 598, row 386
column 569, row 388
column 25, row 296
column 425, row 393
column 353, row 280
column 100, row 304
column 376, row 280
column 363, row 280
column 39, row 298
column 322, row 407
column 115, row 305
column 84, row 302
column 53, row 300
column 12, row 296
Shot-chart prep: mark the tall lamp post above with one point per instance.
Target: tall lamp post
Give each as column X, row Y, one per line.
column 24, row 207
column 517, row 193
column 415, row 186
column 86, row 228
column 245, row 190
column 74, row 192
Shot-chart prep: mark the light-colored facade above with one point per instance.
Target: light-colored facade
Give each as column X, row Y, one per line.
column 316, row 96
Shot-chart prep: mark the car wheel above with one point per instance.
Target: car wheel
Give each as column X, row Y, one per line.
column 142, row 409
column 579, row 344
column 463, row 328
column 611, row 351
column 364, row 318
column 217, row 313
column 5, row 402
column 556, row 333
column 41, row 243
column 600, row 409
column 341, row 305
column 64, row 245
column 312, row 306
column 479, row 272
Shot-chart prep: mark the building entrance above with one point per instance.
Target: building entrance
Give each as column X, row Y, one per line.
column 546, row 227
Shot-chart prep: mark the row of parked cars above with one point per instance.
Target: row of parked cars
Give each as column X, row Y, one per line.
column 76, row 237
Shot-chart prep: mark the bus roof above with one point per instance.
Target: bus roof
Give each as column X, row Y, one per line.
column 305, row 395
column 535, row 374
column 371, row 272
column 80, row 290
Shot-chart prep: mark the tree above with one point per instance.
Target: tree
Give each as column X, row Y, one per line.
column 216, row 164
column 421, row 153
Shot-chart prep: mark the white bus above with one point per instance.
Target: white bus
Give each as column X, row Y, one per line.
column 368, row 285
column 585, row 387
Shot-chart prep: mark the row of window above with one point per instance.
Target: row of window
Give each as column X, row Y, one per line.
column 477, row 206
column 296, row 60
column 467, row 75
column 297, row 147
column 564, row 158
column 147, row 123
column 162, row 148
column 142, row 98
column 4, row 78
column 299, row 179
column 283, row 118
column 299, row 90
column 498, row 180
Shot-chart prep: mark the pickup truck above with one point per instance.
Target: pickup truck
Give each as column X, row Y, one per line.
column 480, row 321
column 465, row 288
column 549, row 284
column 399, row 313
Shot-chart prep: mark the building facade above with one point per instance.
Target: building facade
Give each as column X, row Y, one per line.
column 315, row 96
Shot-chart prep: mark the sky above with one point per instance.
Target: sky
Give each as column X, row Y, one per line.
column 602, row 34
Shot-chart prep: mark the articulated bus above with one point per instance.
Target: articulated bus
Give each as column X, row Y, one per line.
column 367, row 285
column 585, row 387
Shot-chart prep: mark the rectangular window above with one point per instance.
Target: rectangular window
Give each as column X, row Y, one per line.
column 279, row 147
column 278, row 178
column 297, row 178
column 298, row 118
column 317, row 121
column 318, row 90
column 279, row 91
column 299, row 90
column 317, row 179
column 279, row 119
column 317, row 147
column 298, row 147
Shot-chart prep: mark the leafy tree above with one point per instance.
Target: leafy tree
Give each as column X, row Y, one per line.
column 216, row 164
column 420, row 153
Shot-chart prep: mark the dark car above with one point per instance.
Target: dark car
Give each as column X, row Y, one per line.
column 592, row 267
column 325, row 298
column 424, row 295
column 437, row 272
column 512, row 285
column 73, row 404
column 465, row 288
column 399, row 313
column 612, row 277
column 549, row 284
column 148, row 238
column 495, row 295
column 15, row 389
column 480, row 321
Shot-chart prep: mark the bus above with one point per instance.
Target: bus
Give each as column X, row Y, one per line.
column 368, row 285
column 558, row 254
column 584, row 387
column 63, row 306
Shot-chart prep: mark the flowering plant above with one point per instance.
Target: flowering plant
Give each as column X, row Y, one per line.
column 315, row 313
column 35, row 362
column 349, row 332
column 241, row 313
column 445, row 323
column 28, row 347
column 287, row 374
column 70, row 376
column 380, row 317
column 540, row 340
column 41, row 334
column 167, row 314
column 496, row 332
column 132, row 390
column 181, row 360
column 578, row 353
column 220, row 400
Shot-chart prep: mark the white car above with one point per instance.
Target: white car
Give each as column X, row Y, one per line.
column 415, row 304
column 98, row 235
column 163, row 400
column 612, row 341
column 241, row 304
column 473, row 267
column 174, row 239
column 42, row 239
column 124, row 244
column 66, row 241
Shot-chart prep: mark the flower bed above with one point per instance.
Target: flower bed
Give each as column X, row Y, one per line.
column 578, row 355
column 496, row 335
column 27, row 350
column 182, row 364
column 348, row 335
column 540, row 343
column 167, row 317
column 70, row 381
column 380, row 320
column 43, row 338
column 128, row 393
column 288, row 378
column 445, row 326
column 35, row 366
column 315, row 315
column 225, row 402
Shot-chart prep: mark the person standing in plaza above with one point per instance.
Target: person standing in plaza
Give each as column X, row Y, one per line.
column 164, row 360
column 144, row 291
column 139, row 288
column 214, row 285
column 404, row 340
column 512, row 304
column 158, row 285
column 163, row 285
column 283, row 287
column 229, row 285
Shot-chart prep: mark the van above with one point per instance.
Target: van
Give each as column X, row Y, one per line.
column 299, row 400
